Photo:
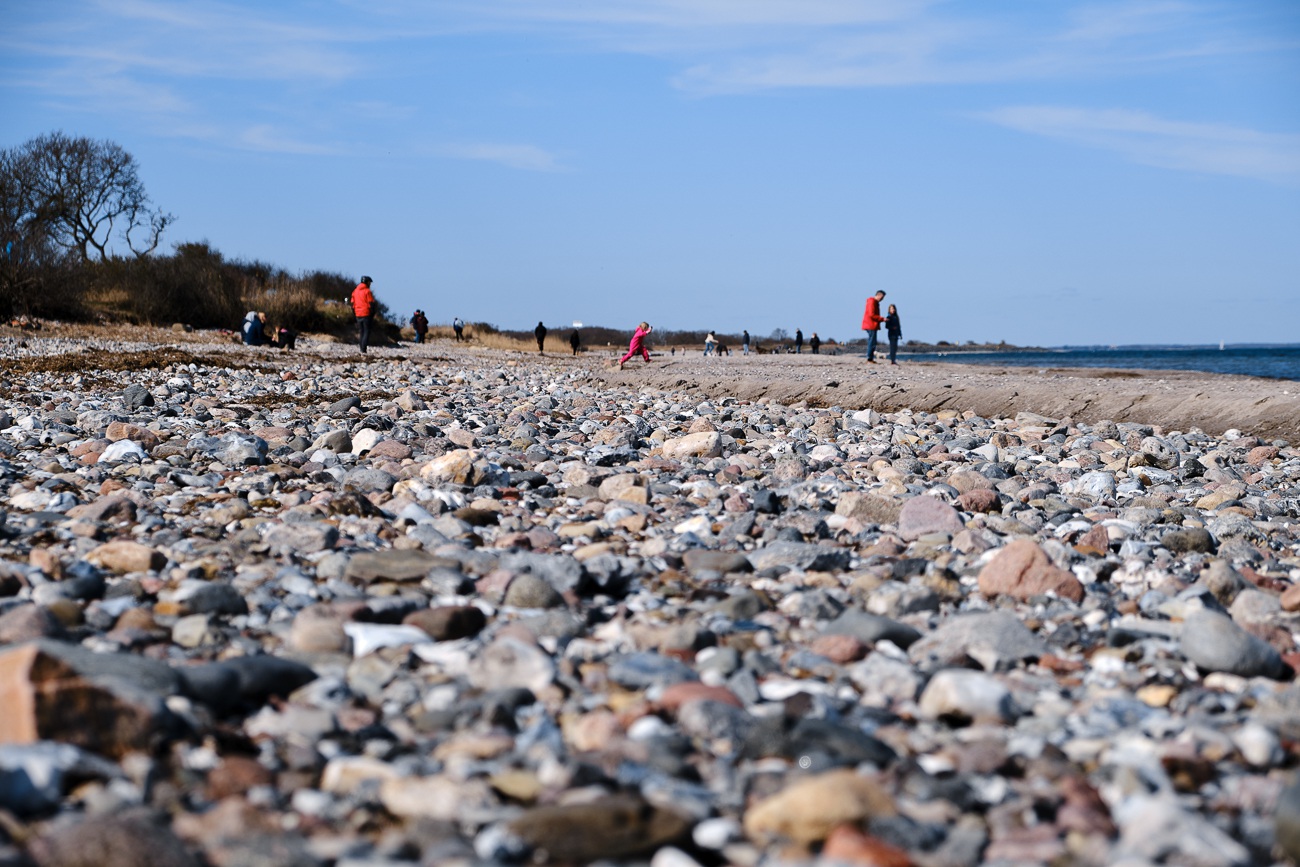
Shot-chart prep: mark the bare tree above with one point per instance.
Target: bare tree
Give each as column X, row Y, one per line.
column 25, row 245
column 87, row 192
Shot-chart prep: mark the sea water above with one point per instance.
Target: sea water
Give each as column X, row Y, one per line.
column 1277, row 362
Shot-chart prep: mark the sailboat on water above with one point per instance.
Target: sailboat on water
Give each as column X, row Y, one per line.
column 1220, row 345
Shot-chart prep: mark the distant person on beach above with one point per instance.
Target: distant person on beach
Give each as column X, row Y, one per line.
column 540, row 333
column 815, row 344
column 420, row 323
column 637, row 344
column 254, row 329
column 285, row 338
column 798, row 342
column 894, row 328
column 744, row 342
column 710, row 343
column 871, row 320
column 363, row 305
column 575, row 341
column 459, row 328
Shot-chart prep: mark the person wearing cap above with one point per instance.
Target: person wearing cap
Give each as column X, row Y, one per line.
column 363, row 305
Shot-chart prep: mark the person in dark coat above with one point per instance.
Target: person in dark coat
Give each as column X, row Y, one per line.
column 894, row 328
column 540, row 333
column 254, row 329
column 420, row 323
column 575, row 341
column 798, row 341
column 815, row 343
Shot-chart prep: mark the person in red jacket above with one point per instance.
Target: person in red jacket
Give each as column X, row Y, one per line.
column 363, row 305
column 637, row 345
column 871, row 321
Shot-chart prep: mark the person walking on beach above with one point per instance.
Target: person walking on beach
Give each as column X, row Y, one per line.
column 710, row 342
column 459, row 328
column 575, row 341
column 637, row 345
column 744, row 342
column 871, row 320
column 815, row 344
column 540, row 333
column 798, row 341
column 420, row 323
column 894, row 328
column 363, row 305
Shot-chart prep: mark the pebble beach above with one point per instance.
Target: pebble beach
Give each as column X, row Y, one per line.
column 444, row 605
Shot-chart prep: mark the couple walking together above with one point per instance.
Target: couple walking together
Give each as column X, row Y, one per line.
column 871, row 322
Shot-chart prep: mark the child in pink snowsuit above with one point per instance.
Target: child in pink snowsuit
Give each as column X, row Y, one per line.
column 637, row 344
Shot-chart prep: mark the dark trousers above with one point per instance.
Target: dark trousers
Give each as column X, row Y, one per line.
column 363, row 331
column 419, row 337
column 893, row 348
column 871, row 344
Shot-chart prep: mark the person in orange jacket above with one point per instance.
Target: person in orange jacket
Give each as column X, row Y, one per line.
column 363, row 305
column 871, row 321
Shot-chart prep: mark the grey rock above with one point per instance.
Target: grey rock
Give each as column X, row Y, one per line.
column 1215, row 643
column 997, row 640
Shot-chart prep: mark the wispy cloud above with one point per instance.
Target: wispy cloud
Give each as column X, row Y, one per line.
column 265, row 137
column 515, row 156
column 1154, row 141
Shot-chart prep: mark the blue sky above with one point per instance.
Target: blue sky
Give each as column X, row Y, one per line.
column 1037, row 172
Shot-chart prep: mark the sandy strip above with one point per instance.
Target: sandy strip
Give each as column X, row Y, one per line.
column 1173, row 400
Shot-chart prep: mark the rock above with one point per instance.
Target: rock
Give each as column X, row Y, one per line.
column 809, row 810
column 1286, row 820
column 1023, row 570
column 1191, row 539
column 509, row 662
column 529, row 591
column 870, row 628
column 997, row 640
column 368, row 567
column 134, row 840
column 136, row 397
column 967, row 697
column 122, row 450
column 448, row 622
column 868, row 507
column 614, row 827
column 704, row 444
column 104, row 705
column 925, row 515
column 123, row 556
column 456, row 467
column 1213, row 642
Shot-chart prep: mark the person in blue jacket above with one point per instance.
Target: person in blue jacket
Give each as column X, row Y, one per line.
column 254, row 330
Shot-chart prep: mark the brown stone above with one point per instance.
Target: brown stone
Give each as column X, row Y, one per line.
column 848, row 845
column 678, row 694
column 124, row 556
column 29, row 622
column 125, row 430
column 980, row 500
column 448, row 622
column 132, row 840
column 614, row 827
column 236, row 775
column 112, row 509
column 811, row 808
column 839, row 648
column 45, row 699
column 1023, row 570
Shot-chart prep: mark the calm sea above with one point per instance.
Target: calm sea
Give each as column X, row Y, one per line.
column 1277, row 362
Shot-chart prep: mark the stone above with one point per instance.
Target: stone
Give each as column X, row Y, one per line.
column 614, row 827
column 134, row 840
column 997, row 640
column 868, row 507
column 369, row 567
column 48, row 698
column 808, row 810
column 967, row 697
column 926, row 515
column 1023, row 570
column 448, row 622
column 123, row 556
column 1215, row 643
column 704, row 444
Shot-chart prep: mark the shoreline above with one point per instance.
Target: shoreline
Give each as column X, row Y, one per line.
column 1166, row 399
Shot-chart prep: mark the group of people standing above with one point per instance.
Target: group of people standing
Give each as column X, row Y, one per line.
column 871, row 322
column 363, row 306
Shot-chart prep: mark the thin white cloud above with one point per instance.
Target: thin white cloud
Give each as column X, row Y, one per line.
column 515, row 156
column 1170, row 144
column 264, row 137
